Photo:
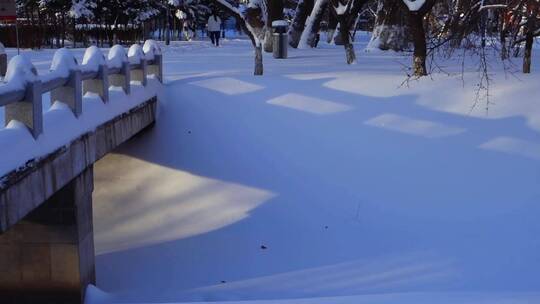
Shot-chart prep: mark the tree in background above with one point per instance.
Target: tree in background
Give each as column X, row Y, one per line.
column 391, row 31
column 521, row 22
column 303, row 9
column 424, row 26
column 417, row 10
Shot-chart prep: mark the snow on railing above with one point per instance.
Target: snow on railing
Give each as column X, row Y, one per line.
column 22, row 88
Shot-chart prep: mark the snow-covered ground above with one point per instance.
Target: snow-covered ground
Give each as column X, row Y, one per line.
column 323, row 183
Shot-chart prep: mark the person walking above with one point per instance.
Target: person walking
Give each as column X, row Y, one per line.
column 214, row 28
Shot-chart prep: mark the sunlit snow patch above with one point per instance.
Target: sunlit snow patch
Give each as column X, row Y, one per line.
column 411, row 126
column 227, row 85
column 372, row 85
column 155, row 204
column 308, row 104
column 513, row 146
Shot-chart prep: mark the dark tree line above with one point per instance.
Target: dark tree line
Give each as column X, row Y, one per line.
column 420, row 26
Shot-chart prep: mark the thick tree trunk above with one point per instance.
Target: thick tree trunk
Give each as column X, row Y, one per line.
column 346, row 13
column 346, row 39
column 41, row 28
column 254, row 18
column 258, row 61
column 318, row 8
column 316, row 27
column 504, row 49
column 109, row 34
column 74, row 32
column 419, row 41
column 529, row 40
column 168, row 25
column 64, row 30
column 303, row 10
column 275, row 12
column 390, row 31
column 267, row 43
column 115, row 31
column 332, row 26
column 502, row 39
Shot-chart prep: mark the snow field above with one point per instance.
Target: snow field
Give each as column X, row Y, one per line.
column 323, row 183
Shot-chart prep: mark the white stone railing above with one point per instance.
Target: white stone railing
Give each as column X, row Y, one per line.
column 22, row 89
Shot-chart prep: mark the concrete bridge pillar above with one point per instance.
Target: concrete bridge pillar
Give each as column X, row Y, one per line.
column 48, row 257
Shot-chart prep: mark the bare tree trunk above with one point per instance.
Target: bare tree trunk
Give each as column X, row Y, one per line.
column 167, row 25
column 275, row 12
column 115, row 30
column 419, row 41
column 101, row 34
column 502, row 39
column 303, row 9
column 318, row 7
column 41, row 27
column 332, row 26
column 312, row 38
column 258, row 61
column 453, row 28
column 346, row 12
column 74, row 32
column 345, row 38
column 529, row 40
column 64, row 29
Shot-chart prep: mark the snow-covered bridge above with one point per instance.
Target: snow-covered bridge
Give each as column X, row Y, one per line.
column 46, row 241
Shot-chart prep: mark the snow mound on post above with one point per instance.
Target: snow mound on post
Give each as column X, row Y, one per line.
column 117, row 56
column 20, row 71
column 63, row 62
column 92, row 59
column 135, row 54
column 151, row 48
